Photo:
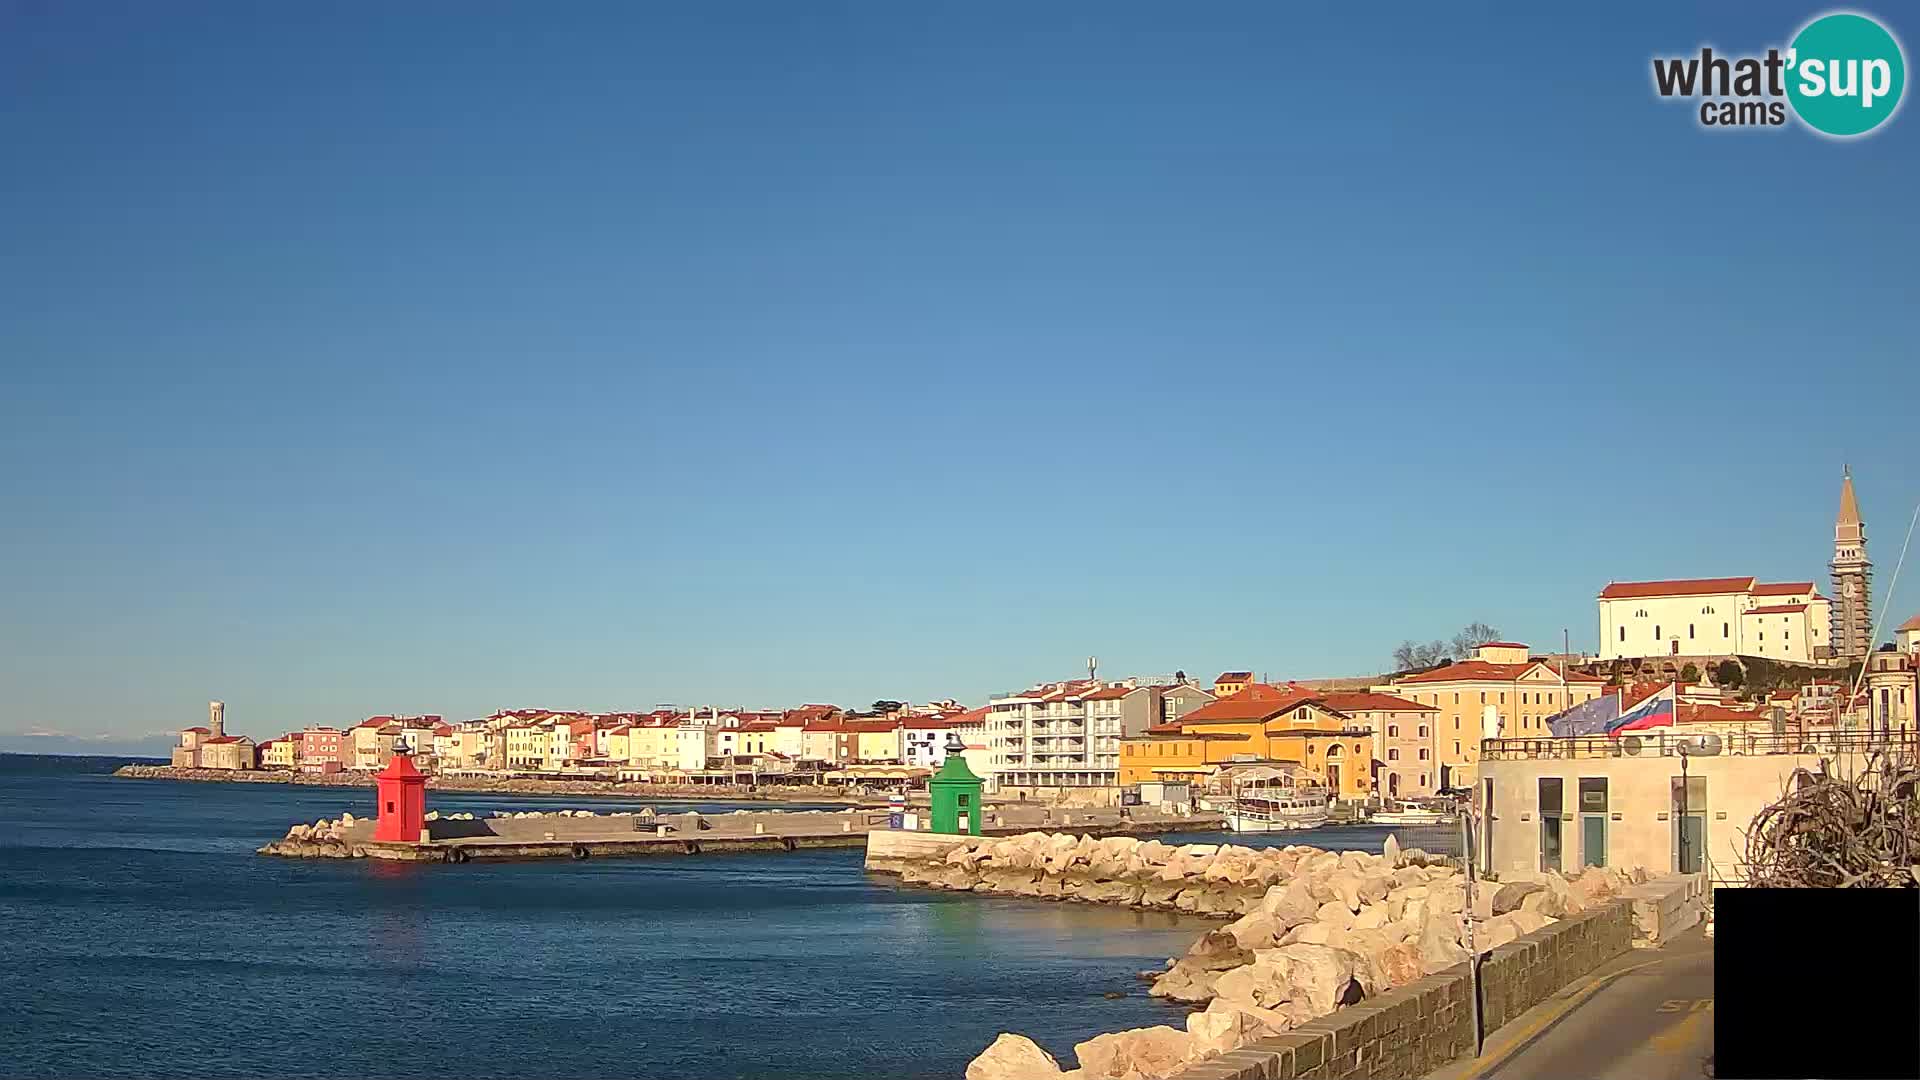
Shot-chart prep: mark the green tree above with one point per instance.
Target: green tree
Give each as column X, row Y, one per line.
column 1690, row 673
column 887, row 705
column 1729, row 674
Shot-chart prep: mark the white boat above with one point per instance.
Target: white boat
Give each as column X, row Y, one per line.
column 1262, row 807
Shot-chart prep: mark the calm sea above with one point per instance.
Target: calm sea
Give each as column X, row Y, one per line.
column 144, row 938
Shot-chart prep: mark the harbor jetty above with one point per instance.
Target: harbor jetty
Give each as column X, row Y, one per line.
column 584, row 834
column 1335, row 964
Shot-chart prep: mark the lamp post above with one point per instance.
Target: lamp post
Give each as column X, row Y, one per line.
column 1682, row 823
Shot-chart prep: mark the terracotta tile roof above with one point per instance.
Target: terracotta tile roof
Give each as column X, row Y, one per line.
column 1783, row 588
column 761, row 725
column 1639, row 692
column 1503, row 645
column 223, row 739
column 1483, row 671
column 1257, row 702
column 1702, row 714
column 197, row 730
column 1368, row 701
column 621, row 730
column 1911, row 624
column 1235, row 676
column 971, row 716
column 1109, row 693
column 1629, row 590
column 870, row 727
column 443, row 729
column 1776, row 609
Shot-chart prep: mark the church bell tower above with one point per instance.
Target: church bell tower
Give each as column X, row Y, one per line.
column 1852, row 634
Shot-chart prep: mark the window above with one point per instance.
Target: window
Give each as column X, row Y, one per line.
column 1393, row 731
column 1423, row 731
column 1593, row 821
column 1689, row 631
column 1552, row 807
column 1456, row 698
column 1723, row 630
column 1503, row 699
column 1656, row 631
column 1456, row 723
column 1423, row 776
column 1456, row 746
column 1483, row 697
column 1623, row 633
column 1393, row 755
column 1423, row 757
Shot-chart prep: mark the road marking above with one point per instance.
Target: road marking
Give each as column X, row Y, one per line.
column 1683, row 1038
column 1673, row 1005
column 1516, row 1037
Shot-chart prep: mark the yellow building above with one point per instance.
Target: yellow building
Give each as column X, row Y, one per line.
column 1260, row 725
column 653, row 744
column 1231, row 682
column 527, row 745
column 619, row 744
column 874, row 741
column 1500, row 693
column 277, row 754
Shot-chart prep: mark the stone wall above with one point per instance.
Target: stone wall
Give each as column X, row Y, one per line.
column 1415, row 1029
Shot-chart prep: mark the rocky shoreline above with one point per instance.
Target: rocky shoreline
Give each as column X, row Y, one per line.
column 484, row 785
column 1315, row 930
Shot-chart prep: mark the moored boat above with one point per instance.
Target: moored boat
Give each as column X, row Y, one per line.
column 1264, row 806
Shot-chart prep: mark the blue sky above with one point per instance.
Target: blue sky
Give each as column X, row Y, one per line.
column 443, row 357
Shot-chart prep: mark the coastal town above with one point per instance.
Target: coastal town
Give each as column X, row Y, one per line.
column 1746, row 679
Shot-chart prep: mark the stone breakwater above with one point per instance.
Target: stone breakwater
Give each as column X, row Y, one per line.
column 501, row 786
column 1315, row 930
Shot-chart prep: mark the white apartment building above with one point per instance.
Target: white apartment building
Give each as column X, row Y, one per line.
column 1064, row 734
column 1735, row 616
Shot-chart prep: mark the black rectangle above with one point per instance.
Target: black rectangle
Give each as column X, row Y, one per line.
column 1816, row 983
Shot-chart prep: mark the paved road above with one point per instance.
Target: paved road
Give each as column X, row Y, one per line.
column 1652, row 1023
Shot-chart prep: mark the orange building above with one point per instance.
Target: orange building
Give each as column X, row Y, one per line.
column 1261, row 725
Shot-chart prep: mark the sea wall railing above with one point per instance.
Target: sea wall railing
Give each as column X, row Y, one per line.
column 1663, row 743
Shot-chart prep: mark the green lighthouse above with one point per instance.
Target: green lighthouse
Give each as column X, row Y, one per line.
column 955, row 792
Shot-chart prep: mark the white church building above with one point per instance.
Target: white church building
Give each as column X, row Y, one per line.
column 1733, row 616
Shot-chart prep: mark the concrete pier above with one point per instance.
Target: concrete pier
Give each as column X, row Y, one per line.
column 559, row 836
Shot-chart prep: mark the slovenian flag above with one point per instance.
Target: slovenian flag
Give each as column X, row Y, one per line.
column 1656, row 711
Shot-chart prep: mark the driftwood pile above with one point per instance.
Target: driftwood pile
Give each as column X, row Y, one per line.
column 1835, row 832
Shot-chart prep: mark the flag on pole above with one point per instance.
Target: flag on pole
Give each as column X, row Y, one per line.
column 1656, row 711
column 1586, row 718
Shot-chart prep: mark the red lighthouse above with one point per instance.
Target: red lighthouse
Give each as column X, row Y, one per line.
column 403, row 801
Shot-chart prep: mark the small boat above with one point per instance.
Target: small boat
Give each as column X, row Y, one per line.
column 1262, row 807
column 1410, row 814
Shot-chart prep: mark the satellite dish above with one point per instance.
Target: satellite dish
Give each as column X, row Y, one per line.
column 1631, row 744
column 1707, row 745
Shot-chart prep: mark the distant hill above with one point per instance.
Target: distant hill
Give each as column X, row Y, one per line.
column 130, row 746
